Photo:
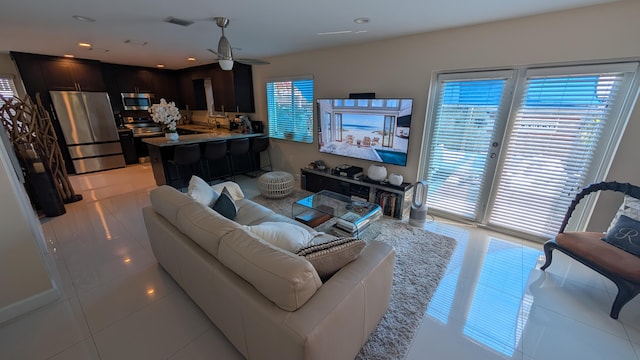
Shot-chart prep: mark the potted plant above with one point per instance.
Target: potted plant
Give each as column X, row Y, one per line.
column 167, row 114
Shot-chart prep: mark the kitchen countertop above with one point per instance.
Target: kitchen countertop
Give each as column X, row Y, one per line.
column 198, row 128
column 220, row 134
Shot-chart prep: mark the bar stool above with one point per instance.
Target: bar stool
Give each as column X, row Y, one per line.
column 237, row 147
column 185, row 155
column 215, row 151
column 259, row 145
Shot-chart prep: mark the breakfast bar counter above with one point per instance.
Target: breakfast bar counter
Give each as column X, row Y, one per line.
column 161, row 151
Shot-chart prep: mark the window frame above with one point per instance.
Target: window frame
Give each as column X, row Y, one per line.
column 306, row 136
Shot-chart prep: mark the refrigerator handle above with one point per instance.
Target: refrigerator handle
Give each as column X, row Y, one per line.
column 54, row 116
column 86, row 109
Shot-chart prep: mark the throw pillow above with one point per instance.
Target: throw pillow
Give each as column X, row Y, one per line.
column 625, row 234
column 233, row 188
column 330, row 257
column 286, row 236
column 630, row 208
column 225, row 205
column 201, row 192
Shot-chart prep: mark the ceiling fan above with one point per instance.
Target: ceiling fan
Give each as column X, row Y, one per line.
column 224, row 53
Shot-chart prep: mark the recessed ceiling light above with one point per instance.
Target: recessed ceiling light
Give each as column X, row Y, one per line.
column 335, row 32
column 68, row 55
column 160, row 65
column 361, row 20
column 83, row 18
column 85, row 45
column 191, row 59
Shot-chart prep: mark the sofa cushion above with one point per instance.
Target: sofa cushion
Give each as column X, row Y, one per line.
column 251, row 213
column 201, row 192
column 286, row 236
column 225, row 205
column 166, row 201
column 328, row 258
column 282, row 277
column 204, row 226
column 234, row 189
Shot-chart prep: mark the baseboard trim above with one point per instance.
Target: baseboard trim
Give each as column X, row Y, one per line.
column 29, row 304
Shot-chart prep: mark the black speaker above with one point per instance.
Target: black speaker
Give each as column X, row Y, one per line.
column 362, row 95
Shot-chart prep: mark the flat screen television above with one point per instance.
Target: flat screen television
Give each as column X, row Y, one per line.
column 370, row 129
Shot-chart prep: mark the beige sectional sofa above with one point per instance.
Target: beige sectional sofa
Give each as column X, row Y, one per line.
column 269, row 303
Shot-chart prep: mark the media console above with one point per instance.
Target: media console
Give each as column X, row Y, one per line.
column 394, row 200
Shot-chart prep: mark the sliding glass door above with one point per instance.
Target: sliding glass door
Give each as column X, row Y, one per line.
column 511, row 151
column 465, row 141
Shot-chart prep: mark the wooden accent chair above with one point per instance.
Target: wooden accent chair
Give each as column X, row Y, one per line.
column 619, row 266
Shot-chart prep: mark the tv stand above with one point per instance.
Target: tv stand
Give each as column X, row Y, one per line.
column 394, row 200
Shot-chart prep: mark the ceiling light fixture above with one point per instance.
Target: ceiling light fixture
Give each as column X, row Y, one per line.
column 84, row 45
column 226, row 64
column 68, row 56
column 335, row 32
column 191, row 59
column 361, row 20
column 83, row 18
column 160, row 66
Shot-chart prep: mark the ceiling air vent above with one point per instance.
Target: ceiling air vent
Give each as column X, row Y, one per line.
column 176, row 21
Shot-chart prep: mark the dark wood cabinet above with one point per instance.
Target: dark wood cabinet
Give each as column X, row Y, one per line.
column 166, row 85
column 232, row 90
column 75, row 75
column 243, row 88
column 134, row 79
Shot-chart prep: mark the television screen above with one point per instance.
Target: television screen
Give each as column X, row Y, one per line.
column 370, row 129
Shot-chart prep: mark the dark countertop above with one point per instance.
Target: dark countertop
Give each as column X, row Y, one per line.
column 198, row 138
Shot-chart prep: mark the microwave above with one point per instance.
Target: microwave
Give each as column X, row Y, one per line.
column 137, row 101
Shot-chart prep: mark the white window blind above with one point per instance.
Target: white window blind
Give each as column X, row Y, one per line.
column 464, row 126
column 7, row 87
column 290, row 109
column 553, row 138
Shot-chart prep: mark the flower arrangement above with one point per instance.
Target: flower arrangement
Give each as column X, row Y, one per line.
column 167, row 114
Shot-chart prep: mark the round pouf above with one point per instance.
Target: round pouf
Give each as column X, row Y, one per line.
column 276, row 184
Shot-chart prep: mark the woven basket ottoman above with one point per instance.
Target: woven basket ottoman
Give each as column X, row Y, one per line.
column 276, row 184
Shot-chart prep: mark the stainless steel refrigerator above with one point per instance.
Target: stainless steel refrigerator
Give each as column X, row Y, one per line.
column 89, row 129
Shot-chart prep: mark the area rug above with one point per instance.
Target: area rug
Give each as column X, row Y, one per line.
column 421, row 260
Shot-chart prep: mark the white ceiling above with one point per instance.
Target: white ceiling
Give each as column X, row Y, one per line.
column 257, row 29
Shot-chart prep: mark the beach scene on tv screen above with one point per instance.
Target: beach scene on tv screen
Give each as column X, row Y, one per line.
column 370, row 129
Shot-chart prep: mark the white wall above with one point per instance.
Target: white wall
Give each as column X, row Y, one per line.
column 403, row 67
column 24, row 279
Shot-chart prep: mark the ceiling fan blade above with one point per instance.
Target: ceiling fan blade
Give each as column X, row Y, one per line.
column 215, row 53
column 252, row 61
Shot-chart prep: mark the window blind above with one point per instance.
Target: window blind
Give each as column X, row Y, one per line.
column 7, row 88
column 290, row 109
column 553, row 137
column 464, row 125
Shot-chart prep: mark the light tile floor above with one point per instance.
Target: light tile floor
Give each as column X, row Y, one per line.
column 117, row 303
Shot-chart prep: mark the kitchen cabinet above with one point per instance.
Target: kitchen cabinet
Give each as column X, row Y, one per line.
column 232, row 90
column 134, row 79
column 166, row 85
column 243, row 88
column 70, row 74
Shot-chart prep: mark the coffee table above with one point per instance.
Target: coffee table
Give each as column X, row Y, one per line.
column 352, row 216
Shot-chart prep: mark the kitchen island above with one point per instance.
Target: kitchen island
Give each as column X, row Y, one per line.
column 161, row 151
